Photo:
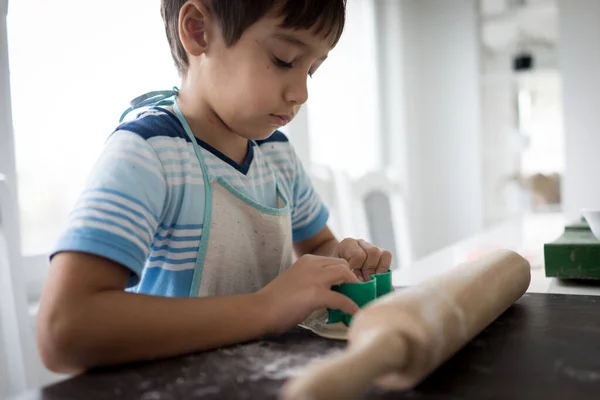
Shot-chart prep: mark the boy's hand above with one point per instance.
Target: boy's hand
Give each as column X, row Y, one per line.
column 364, row 258
column 306, row 287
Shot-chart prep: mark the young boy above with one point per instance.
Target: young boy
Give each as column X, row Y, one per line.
column 196, row 206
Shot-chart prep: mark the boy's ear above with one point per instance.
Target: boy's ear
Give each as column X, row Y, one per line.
column 195, row 23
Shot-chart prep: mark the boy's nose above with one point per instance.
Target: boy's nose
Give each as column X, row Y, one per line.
column 297, row 92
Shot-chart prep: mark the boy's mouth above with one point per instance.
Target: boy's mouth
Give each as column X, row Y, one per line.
column 281, row 119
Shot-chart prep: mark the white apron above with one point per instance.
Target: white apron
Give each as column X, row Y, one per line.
column 244, row 245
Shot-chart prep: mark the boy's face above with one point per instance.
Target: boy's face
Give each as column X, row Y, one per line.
column 259, row 84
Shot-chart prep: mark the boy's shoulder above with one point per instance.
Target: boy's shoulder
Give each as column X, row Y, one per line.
column 154, row 122
column 162, row 131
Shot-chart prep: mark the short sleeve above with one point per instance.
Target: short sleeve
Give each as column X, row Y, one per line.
column 309, row 215
column 118, row 212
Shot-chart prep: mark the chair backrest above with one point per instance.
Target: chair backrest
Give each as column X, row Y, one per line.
column 20, row 356
column 373, row 208
column 5, row 380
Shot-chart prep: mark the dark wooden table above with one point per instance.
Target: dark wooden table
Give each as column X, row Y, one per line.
column 544, row 347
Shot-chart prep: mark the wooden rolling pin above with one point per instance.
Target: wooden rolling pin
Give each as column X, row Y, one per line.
column 399, row 339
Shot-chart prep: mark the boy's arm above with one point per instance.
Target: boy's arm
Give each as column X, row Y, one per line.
column 323, row 243
column 86, row 319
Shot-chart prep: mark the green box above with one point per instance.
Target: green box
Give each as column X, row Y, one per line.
column 574, row 255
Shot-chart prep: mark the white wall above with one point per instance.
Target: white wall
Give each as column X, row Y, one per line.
column 579, row 60
column 441, row 93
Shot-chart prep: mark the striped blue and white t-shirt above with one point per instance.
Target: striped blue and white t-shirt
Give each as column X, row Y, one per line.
column 143, row 204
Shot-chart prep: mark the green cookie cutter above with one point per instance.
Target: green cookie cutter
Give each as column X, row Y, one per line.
column 361, row 293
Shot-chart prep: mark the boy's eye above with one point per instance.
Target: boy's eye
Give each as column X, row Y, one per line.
column 282, row 64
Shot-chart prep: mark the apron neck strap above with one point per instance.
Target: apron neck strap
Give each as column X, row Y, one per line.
column 156, row 98
column 190, row 134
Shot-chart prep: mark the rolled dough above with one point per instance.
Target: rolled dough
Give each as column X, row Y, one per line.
column 317, row 322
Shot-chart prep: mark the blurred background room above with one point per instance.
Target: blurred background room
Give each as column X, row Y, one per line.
column 431, row 121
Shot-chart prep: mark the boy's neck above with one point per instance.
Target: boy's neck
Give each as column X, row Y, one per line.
column 207, row 126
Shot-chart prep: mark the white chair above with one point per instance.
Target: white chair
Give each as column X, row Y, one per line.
column 373, row 208
column 20, row 365
column 5, row 390
column 21, row 360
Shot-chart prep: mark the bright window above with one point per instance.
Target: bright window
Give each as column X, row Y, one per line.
column 74, row 66
column 343, row 107
column 540, row 107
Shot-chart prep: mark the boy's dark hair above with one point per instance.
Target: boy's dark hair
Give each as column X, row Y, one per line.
column 325, row 17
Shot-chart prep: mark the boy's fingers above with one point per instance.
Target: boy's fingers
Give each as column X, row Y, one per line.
column 373, row 255
column 356, row 256
column 337, row 301
column 385, row 262
column 338, row 274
